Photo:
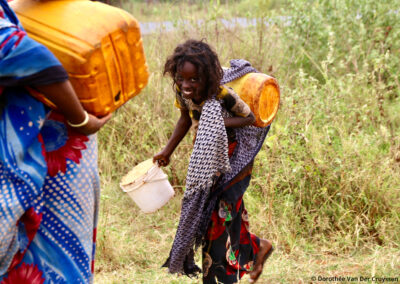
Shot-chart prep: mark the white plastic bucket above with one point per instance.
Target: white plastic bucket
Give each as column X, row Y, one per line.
column 148, row 186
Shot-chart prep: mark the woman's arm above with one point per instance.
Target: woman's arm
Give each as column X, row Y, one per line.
column 63, row 96
column 181, row 128
column 25, row 62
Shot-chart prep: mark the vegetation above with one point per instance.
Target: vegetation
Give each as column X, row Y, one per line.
column 326, row 184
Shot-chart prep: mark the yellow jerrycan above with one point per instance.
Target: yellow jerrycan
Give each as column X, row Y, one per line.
column 261, row 93
column 100, row 46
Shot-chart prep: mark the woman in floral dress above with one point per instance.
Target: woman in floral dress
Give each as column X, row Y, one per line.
column 49, row 185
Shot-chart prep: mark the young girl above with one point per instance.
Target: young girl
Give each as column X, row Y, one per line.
column 213, row 213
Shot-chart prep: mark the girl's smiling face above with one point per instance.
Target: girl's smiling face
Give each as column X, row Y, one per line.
column 189, row 82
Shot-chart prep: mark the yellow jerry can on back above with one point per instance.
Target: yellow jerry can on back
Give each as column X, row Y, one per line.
column 262, row 94
column 100, row 46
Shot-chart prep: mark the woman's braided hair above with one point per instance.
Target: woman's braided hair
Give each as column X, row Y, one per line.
column 201, row 55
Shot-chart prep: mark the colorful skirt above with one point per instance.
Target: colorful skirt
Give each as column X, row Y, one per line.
column 229, row 249
column 49, row 195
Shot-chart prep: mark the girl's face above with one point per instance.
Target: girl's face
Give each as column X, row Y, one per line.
column 189, row 83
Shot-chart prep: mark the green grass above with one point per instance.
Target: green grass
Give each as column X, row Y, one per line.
column 326, row 184
column 151, row 11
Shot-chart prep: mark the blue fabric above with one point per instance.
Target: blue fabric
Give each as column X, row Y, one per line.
column 49, row 184
column 7, row 16
column 21, row 57
column 13, row 56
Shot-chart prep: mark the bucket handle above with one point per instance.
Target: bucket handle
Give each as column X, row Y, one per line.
column 152, row 172
column 153, row 180
column 143, row 181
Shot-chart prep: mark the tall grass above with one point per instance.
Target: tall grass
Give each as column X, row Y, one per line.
column 326, row 184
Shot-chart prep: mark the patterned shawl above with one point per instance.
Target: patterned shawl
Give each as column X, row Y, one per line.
column 209, row 159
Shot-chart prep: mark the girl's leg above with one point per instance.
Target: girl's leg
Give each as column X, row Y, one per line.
column 264, row 252
column 229, row 250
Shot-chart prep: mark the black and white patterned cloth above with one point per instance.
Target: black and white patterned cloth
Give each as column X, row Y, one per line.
column 209, row 157
column 239, row 68
column 210, row 151
column 208, row 161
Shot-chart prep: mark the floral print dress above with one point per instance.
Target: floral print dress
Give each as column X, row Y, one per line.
column 49, row 184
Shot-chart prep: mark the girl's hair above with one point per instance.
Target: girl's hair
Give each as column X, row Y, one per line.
column 201, row 55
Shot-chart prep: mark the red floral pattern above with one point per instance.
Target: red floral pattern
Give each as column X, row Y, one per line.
column 25, row 274
column 94, row 244
column 57, row 159
column 254, row 240
column 241, row 246
column 31, row 221
column 216, row 228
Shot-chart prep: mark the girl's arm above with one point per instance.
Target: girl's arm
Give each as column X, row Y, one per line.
column 238, row 121
column 243, row 116
column 181, row 128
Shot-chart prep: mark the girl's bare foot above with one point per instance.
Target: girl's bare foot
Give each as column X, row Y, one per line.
column 262, row 255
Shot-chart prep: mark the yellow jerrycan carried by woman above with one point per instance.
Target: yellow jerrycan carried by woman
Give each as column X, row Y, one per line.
column 100, row 46
column 261, row 93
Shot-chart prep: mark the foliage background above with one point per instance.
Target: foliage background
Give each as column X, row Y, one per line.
column 326, row 184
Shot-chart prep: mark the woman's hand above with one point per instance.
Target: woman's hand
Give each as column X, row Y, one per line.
column 162, row 158
column 93, row 125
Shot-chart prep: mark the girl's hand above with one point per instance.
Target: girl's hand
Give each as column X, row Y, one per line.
column 162, row 158
column 93, row 125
